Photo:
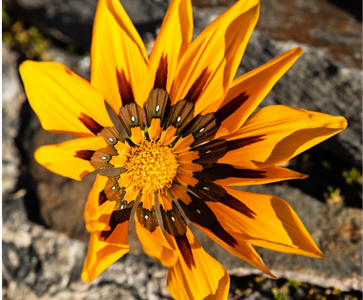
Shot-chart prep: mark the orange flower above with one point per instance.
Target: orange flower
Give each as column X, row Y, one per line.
column 189, row 136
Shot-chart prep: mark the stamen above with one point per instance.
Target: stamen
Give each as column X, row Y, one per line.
column 151, row 167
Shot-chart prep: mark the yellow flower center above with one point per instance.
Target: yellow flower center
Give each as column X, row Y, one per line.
column 151, row 167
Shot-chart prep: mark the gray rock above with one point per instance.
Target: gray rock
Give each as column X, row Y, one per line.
column 13, row 98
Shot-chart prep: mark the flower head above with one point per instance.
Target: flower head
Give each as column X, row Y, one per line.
column 189, row 136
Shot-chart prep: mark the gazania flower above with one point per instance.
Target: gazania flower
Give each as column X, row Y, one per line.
column 190, row 136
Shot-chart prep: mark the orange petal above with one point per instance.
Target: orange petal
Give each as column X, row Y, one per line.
column 211, row 61
column 203, row 218
column 155, row 129
column 96, row 214
column 273, row 224
column 283, row 132
column 117, row 48
column 172, row 40
column 206, row 280
column 102, row 254
column 59, row 97
column 61, row 159
column 255, row 85
column 263, row 176
column 155, row 245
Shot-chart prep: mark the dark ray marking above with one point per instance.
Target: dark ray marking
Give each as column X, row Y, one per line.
column 173, row 221
column 237, row 205
column 85, row 154
column 124, row 88
column 224, row 112
column 90, row 123
column 105, row 234
column 112, row 189
column 198, row 86
column 240, row 143
column 175, row 225
column 118, row 216
column 131, row 115
column 208, row 136
column 111, row 135
column 162, row 73
column 198, row 123
column 198, row 212
column 180, row 115
column 221, row 171
column 101, row 158
column 209, row 191
column 185, row 250
column 156, row 105
column 102, row 198
column 211, row 152
column 222, row 234
column 147, row 218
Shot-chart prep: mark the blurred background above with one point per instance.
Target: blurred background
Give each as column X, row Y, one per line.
column 44, row 241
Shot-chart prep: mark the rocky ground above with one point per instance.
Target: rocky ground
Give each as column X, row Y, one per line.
column 44, row 240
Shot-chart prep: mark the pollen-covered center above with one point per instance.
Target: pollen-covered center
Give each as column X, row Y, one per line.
column 151, row 167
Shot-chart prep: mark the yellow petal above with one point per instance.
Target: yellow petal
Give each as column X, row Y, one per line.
column 255, row 85
column 102, row 254
column 262, row 176
column 173, row 39
column 203, row 218
column 167, row 136
column 155, row 129
column 212, row 59
column 59, row 97
column 206, row 280
column 283, row 132
column 116, row 48
column 61, row 159
column 96, row 214
column 273, row 224
column 155, row 245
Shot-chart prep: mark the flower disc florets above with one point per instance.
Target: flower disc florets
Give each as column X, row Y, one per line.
column 151, row 167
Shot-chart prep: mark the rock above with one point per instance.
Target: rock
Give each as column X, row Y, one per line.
column 40, row 263
column 13, row 99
